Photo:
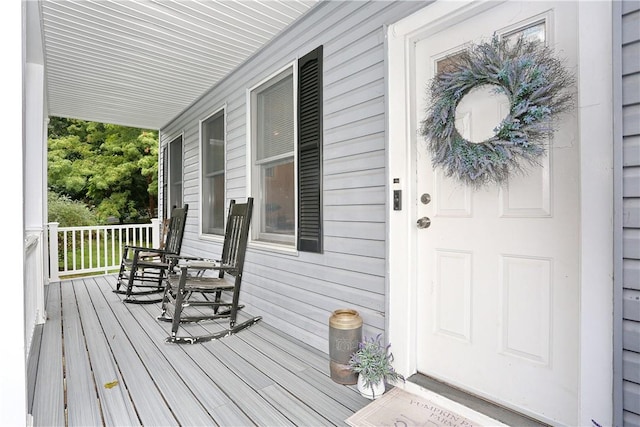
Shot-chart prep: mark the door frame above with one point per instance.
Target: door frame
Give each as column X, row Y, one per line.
column 594, row 110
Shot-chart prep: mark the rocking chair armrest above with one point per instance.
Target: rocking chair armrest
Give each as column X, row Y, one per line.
column 192, row 261
column 202, row 264
column 154, row 264
column 197, row 263
column 184, row 257
column 145, row 249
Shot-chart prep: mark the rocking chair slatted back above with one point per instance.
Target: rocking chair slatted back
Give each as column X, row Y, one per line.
column 236, row 237
column 175, row 233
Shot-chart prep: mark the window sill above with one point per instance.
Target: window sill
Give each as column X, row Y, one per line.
column 273, row 248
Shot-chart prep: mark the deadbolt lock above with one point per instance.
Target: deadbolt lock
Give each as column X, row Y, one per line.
column 425, row 198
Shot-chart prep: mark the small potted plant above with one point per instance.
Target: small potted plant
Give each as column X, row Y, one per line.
column 373, row 364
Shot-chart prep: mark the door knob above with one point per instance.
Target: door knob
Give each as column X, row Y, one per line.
column 424, row 222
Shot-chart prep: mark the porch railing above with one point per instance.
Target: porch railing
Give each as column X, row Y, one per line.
column 95, row 249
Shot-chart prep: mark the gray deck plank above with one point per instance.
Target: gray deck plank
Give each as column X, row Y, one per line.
column 34, row 356
column 345, row 395
column 223, row 410
column 117, row 408
column 326, row 406
column 304, row 352
column 145, row 396
column 251, row 407
column 82, row 400
column 299, row 413
column 48, row 400
column 236, row 386
column 332, row 405
column 216, row 360
column 201, row 391
column 183, row 403
column 32, row 365
column 258, row 377
column 234, row 374
column 319, row 375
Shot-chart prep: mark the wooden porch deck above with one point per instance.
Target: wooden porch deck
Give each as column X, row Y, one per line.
column 92, row 340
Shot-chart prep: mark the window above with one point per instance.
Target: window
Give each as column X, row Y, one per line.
column 532, row 32
column 286, row 133
column 175, row 173
column 212, row 131
column 274, row 138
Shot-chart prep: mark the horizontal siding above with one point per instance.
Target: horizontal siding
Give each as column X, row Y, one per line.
column 631, row 304
column 631, row 242
column 631, row 366
column 630, row 122
column 631, row 273
column 630, row 33
column 630, row 52
column 297, row 293
column 356, row 179
column 631, row 94
column 632, row 397
column 631, row 213
column 631, row 420
column 630, row 26
column 364, row 144
column 357, row 230
column 631, row 335
column 359, row 196
column 630, row 178
column 631, row 151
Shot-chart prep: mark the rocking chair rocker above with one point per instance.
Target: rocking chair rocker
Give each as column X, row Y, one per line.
column 147, row 268
column 194, row 292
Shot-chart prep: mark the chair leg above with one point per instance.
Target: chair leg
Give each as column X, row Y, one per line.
column 125, row 255
column 217, row 299
column 177, row 310
column 120, row 275
column 165, row 301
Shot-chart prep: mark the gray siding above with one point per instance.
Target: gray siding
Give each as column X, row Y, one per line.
column 631, row 212
column 297, row 294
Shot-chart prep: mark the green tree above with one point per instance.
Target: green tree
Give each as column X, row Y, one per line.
column 110, row 167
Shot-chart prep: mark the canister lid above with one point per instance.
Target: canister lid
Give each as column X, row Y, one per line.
column 345, row 318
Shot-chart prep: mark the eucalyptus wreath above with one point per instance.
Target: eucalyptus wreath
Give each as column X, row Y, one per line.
column 534, row 81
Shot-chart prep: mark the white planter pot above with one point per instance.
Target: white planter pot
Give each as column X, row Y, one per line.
column 373, row 391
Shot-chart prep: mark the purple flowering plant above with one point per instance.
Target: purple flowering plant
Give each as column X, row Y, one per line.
column 373, row 361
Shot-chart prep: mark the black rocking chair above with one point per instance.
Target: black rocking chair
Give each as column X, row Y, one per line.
column 144, row 270
column 198, row 289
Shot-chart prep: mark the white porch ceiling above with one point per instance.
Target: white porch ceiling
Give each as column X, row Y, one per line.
column 142, row 62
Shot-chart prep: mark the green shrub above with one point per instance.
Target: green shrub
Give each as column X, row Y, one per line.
column 69, row 213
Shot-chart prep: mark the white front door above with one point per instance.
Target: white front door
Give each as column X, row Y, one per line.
column 498, row 268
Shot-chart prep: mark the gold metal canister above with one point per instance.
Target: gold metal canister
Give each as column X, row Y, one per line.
column 345, row 333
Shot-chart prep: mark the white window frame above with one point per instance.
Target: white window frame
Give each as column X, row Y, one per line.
column 201, row 233
column 257, row 238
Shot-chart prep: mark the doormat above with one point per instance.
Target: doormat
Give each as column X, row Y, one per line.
column 399, row 408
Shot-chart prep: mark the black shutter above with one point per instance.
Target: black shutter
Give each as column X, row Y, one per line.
column 165, row 178
column 310, row 152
